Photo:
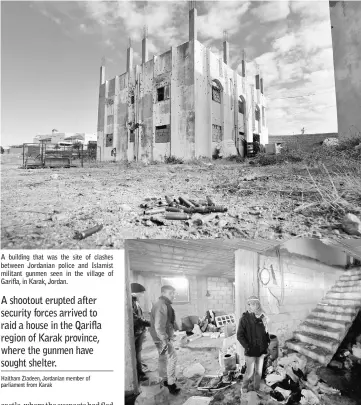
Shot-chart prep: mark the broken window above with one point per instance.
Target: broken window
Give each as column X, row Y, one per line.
column 257, row 114
column 110, row 106
column 163, row 93
column 181, row 284
column 216, row 93
column 131, row 136
column 162, row 134
column 109, row 140
column 132, row 99
column 110, row 109
column 241, row 106
column 216, row 133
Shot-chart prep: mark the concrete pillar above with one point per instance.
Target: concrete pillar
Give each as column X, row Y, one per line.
column 346, row 43
column 129, row 59
column 257, row 82
column 102, row 75
column 246, row 284
column 244, row 70
column 226, row 52
column 201, row 295
column 193, row 24
column 130, row 375
column 144, row 50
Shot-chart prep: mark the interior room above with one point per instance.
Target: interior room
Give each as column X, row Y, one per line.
column 309, row 289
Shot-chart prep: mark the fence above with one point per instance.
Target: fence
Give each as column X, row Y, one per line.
column 54, row 155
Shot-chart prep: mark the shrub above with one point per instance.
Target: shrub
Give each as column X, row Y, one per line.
column 173, row 160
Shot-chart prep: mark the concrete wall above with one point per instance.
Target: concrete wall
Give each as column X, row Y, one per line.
column 221, row 297
column 309, row 270
column 305, row 284
column 162, row 109
column 346, row 42
column 306, row 141
column 221, row 292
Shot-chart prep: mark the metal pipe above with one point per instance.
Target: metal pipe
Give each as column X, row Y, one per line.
column 180, row 216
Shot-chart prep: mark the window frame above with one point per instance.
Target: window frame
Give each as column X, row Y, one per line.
column 187, row 290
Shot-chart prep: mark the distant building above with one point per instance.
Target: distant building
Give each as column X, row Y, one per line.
column 67, row 137
column 183, row 103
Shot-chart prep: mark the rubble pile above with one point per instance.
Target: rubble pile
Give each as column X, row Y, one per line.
column 292, row 382
column 196, row 211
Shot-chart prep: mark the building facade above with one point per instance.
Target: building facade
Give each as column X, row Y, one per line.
column 181, row 103
column 65, row 137
column 345, row 19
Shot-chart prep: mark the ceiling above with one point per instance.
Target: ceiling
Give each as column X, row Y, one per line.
column 191, row 257
column 207, row 256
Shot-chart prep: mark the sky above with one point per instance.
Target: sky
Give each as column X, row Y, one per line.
column 51, row 53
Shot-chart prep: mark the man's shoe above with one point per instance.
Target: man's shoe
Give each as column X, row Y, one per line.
column 173, row 389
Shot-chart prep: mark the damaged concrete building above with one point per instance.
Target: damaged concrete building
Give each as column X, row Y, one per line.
column 181, row 103
column 309, row 289
column 345, row 19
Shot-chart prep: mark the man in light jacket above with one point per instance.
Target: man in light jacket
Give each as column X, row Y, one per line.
column 163, row 325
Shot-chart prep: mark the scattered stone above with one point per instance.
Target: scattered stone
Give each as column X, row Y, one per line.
column 60, row 217
column 336, row 364
column 330, row 142
column 352, row 224
column 312, row 378
column 222, row 223
column 194, row 370
column 125, row 207
column 316, row 234
column 54, row 176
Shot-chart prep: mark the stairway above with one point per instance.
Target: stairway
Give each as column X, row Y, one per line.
column 322, row 332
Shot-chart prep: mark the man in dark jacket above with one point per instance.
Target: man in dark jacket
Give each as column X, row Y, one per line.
column 140, row 325
column 163, row 325
column 253, row 335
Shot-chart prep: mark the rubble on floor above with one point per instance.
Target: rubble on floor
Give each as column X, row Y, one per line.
column 198, row 401
column 292, row 379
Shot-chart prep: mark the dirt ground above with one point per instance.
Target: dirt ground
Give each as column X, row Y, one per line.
column 43, row 208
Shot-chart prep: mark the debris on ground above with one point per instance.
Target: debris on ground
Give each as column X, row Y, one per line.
column 111, row 193
column 182, row 208
column 351, row 224
column 356, row 350
column 194, row 370
column 309, row 398
column 198, row 401
column 88, row 232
